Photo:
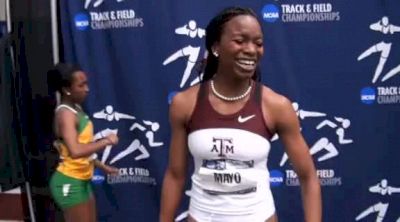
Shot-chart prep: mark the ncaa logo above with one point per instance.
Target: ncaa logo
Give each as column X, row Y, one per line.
column 270, row 13
column 81, row 21
column 275, row 178
column 98, row 177
column 368, row 95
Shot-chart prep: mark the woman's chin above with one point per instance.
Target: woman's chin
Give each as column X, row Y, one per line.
column 245, row 74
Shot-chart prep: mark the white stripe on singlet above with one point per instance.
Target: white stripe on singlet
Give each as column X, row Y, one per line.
column 67, row 107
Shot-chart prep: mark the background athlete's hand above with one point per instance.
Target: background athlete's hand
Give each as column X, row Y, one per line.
column 110, row 170
column 112, row 138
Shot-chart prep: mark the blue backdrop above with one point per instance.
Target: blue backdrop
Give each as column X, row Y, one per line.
column 338, row 61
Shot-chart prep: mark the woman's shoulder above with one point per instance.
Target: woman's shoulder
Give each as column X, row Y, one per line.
column 66, row 108
column 274, row 100
column 187, row 95
column 65, row 113
column 185, row 101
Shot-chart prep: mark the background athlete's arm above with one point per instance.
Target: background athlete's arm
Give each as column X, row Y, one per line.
column 106, row 168
column 66, row 122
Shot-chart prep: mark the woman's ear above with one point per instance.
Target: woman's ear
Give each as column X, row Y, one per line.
column 215, row 53
column 214, row 50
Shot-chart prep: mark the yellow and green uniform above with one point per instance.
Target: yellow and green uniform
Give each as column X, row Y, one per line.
column 70, row 184
column 79, row 168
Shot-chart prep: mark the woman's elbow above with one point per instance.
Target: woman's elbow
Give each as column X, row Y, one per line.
column 75, row 154
column 309, row 175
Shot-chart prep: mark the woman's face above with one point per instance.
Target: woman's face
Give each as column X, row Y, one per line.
column 240, row 47
column 79, row 87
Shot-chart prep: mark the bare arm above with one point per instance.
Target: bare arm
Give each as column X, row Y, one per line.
column 106, row 168
column 287, row 126
column 66, row 123
column 174, row 178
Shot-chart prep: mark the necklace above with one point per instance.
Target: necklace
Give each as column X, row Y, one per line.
column 230, row 99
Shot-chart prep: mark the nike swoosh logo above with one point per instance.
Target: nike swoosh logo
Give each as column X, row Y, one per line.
column 245, row 119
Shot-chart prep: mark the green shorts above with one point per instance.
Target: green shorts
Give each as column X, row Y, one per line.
column 68, row 191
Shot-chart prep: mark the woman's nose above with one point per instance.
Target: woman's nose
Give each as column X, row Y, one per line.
column 250, row 48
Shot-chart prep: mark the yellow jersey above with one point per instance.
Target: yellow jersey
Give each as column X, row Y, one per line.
column 79, row 168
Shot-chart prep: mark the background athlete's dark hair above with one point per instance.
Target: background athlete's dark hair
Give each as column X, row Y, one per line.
column 214, row 31
column 61, row 76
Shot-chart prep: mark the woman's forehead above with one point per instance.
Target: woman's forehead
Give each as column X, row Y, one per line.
column 242, row 23
column 79, row 76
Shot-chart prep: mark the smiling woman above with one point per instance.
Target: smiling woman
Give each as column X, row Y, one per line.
column 226, row 122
